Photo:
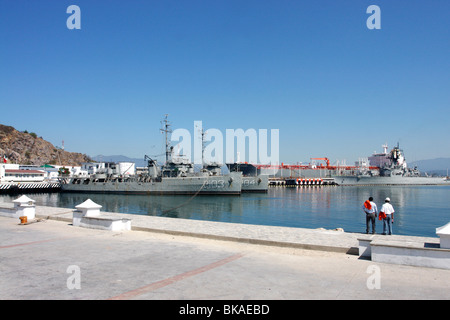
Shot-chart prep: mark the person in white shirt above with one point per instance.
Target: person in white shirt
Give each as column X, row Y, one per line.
column 388, row 210
column 371, row 210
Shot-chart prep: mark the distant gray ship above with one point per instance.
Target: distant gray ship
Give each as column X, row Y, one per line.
column 251, row 180
column 392, row 170
column 176, row 176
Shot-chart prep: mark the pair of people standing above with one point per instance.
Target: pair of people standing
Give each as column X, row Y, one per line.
column 386, row 214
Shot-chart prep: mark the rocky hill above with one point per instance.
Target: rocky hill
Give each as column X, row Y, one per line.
column 28, row 148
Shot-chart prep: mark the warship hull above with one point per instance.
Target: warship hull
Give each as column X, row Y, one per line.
column 259, row 183
column 393, row 180
column 212, row 185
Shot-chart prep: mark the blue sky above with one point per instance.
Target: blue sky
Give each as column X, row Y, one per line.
column 311, row 69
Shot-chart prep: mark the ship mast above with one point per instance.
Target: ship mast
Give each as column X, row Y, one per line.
column 199, row 134
column 166, row 130
column 203, row 134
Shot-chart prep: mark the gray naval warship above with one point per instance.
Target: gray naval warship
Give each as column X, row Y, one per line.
column 176, row 176
column 252, row 181
column 392, row 169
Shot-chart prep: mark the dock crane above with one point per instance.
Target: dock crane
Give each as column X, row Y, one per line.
column 326, row 159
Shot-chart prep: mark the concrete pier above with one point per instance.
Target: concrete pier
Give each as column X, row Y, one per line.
column 166, row 258
column 313, row 239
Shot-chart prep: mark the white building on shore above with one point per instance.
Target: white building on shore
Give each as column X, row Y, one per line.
column 12, row 172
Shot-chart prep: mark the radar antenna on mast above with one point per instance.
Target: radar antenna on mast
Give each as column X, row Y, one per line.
column 166, row 129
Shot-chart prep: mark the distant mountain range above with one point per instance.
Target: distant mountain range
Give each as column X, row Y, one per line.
column 436, row 166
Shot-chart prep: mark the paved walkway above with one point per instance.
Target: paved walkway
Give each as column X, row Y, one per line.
column 314, row 239
column 161, row 259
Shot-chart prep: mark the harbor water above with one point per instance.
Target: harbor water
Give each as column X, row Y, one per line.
column 419, row 209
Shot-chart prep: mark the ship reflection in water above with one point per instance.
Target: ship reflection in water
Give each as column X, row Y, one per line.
column 419, row 209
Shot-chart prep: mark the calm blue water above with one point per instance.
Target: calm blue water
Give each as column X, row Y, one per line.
column 419, row 209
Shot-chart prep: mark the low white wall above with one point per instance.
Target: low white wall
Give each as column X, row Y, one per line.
column 7, row 211
column 100, row 222
column 383, row 251
column 15, row 212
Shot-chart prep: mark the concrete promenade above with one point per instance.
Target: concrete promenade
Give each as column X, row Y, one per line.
column 167, row 258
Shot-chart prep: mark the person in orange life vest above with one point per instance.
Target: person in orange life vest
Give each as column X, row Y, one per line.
column 388, row 211
column 371, row 210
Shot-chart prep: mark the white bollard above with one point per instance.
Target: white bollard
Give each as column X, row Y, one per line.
column 88, row 215
column 444, row 235
column 89, row 208
column 24, row 207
